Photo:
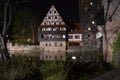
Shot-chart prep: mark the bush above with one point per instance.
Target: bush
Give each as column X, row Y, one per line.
column 19, row 67
column 53, row 71
column 116, row 51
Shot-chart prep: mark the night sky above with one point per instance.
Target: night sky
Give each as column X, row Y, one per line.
column 68, row 9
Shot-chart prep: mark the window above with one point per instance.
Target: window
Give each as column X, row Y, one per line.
column 46, row 44
column 61, row 44
column 77, row 37
column 46, row 57
column 74, row 44
column 54, row 11
column 49, row 44
column 70, row 37
column 49, row 17
column 55, row 17
column 55, row 44
column 60, row 57
column 43, row 29
column 49, row 57
column 42, row 36
column 63, row 29
column 55, row 57
column 63, row 36
column 88, row 35
column 48, row 29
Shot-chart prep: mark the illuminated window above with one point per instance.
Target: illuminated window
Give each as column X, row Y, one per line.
column 48, row 29
column 64, row 36
column 42, row 36
column 43, row 29
column 63, row 29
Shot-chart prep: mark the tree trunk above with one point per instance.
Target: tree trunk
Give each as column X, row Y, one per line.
column 106, row 53
column 4, row 55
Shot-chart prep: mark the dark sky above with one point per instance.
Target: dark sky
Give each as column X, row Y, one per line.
column 68, row 9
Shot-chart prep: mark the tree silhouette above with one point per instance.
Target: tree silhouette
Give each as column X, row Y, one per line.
column 7, row 8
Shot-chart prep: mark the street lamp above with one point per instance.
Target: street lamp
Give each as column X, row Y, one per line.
column 91, row 3
column 73, row 57
column 93, row 22
column 89, row 29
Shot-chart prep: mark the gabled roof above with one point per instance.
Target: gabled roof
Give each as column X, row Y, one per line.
column 53, row 17
column 75, row 28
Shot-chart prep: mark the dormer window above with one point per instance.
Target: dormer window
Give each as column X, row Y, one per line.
column 54, row 11
column 49, row 17
column 55, row 17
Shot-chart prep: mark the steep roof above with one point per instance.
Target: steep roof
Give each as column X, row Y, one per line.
column 53, row 17
column 75, row 28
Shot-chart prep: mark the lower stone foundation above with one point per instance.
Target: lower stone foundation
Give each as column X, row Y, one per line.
column 53, row 46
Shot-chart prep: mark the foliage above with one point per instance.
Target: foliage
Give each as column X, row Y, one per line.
column 7, row 12
column 21, row 67
column 116, row 51
column 53, row 71
column 18, row 68
column 24, row 24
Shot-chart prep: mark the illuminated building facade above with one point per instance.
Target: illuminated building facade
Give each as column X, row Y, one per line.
column 52, row 32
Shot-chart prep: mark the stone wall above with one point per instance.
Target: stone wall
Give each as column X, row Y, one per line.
column 23, row 47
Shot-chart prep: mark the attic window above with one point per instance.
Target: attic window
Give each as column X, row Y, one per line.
column 54, row 11
column 55, row 17
column 49, row 17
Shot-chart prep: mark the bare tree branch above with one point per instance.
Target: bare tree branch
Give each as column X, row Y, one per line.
column 116, row 28
column 107, row 9
column 114, row 11
column 10, row 18
column 5, row 18
column 21, row 2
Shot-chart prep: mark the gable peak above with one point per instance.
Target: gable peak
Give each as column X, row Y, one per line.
column 53, row 17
